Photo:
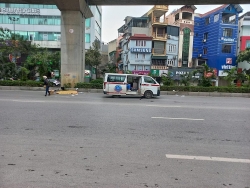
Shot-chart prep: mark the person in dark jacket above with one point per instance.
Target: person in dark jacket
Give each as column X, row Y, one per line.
column 46, row 84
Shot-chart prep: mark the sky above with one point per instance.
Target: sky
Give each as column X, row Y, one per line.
column 113, row 16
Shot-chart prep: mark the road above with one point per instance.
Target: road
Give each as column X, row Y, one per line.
column 90, row 140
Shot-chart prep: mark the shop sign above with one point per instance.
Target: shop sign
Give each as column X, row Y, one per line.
column 227, row 39
column 226, row 67
column 159, row 67
column 141, row 50
column 140, row 72
column 20, row 11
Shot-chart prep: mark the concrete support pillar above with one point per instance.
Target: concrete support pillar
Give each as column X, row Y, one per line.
column 72, row 47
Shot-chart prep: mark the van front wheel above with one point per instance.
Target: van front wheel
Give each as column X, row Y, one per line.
column 148, row 94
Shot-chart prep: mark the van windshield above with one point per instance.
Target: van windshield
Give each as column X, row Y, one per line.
column 149, row 80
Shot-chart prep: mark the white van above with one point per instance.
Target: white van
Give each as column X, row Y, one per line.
column 130, row 84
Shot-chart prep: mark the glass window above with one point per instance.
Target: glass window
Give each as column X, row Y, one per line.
column 97, row 28
column 227, row 32
column 185, row 47
column 226, row 48
column 207, row 20
column 205, row 36
column 87, row 22
column 149, row 80
column 204, row 51
column 116, row 78
column 87, row 37
column 98, row 14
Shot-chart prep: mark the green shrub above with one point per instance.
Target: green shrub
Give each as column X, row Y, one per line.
column 97, row 81
column 89, row 85
column 29, row 83
column 206, row 89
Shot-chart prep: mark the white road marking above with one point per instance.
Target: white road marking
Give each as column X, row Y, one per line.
column 190, row 119
column 161, row 106
column 25, row 101
column 206, row 158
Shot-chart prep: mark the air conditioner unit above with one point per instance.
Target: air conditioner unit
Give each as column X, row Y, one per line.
column 200, row 55
column 204, row 40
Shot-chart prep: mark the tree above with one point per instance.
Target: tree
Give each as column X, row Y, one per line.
column 206, row 75
column 167, row 80
column 244, row 56
column 43, row 62
column 93, row 55
column 12, row 48
column 186, row 79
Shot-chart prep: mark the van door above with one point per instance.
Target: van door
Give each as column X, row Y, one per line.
column 149, row 84
column 117, row 84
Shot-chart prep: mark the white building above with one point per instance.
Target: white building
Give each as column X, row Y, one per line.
column 42, row 23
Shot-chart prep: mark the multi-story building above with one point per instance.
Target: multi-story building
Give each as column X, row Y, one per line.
column 157, row 29
column 135, row 46
column 184, row 19
column 41, row 24
column 215, row 38
column 244, row 38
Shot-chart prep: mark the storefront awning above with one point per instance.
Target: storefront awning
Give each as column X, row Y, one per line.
column 159, row 57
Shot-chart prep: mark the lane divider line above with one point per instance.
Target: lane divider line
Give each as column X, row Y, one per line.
column 190, row 119
column 207, row 158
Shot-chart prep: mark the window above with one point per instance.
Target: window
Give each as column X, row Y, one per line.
column 216, row 17
column 204, row 51
column 98, row 14
column 185, row 46
column 149, row 80
column 170, row 62
column 87, row 22
column 116, row 78
column 143, row 56
column 171, row 48
column 207, row 20
column 196, row 34
column 205, row 36
column 136, row 56
column 226, row 48
column 97, row 28
column 227, row 32
column 140, row 43
column 87, row 37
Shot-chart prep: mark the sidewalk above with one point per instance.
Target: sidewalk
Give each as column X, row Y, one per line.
column 212, row 94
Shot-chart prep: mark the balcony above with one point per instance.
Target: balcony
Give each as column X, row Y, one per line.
column 160, row 21
column 161, row 8
column 158, row 36
column 158, row 51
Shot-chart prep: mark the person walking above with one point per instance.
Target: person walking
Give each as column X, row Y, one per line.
column 46, row 85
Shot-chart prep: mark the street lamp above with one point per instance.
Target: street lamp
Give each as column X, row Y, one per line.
column 14, row 19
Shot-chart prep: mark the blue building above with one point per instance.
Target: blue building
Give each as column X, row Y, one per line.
column 215, row 38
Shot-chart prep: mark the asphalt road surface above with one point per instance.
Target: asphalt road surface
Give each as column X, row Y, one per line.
column 94, row 141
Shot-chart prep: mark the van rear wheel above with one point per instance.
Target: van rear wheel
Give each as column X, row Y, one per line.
column 148, row 94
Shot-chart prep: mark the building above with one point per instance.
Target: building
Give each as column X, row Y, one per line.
column 157, row 29
column 184, row 19
column 215, row 38
column 134, row 46
column 41, row 24
column 244, row 38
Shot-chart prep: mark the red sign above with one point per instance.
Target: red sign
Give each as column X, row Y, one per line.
column 140, row 72
column 229, row 61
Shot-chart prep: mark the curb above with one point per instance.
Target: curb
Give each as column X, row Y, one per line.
column 204, row 94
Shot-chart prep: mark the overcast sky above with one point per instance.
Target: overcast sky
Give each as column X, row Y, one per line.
column 113, row 16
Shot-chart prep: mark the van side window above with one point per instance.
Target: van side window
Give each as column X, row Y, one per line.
column 116, row 78
column 149, row 80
